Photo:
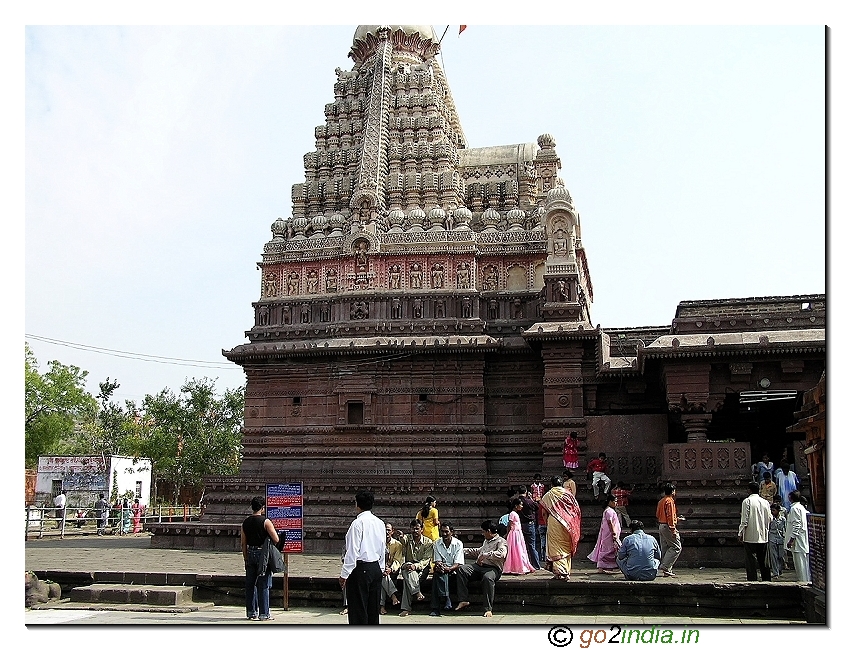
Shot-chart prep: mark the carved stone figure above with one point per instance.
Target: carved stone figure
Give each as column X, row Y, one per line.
column 325, row 313
column 365, row 212
column 417, row 308
column 395, row 311
column 493, row 310
column 466, row 308
column 416, row 276
column 395, row 277
column 491, row 278
column 271, row 286
column 305, row 313
column 330, row 281
column 359, row 310
column 463, row 276
column 560, row 244
column 263, row 317
column 437, row 276
column 312, row 282
column 440, row 309
column 360, row 254
column 292, row 285
column 287, row 315
column 562, row 291
column 517, row 309
column 450, row 221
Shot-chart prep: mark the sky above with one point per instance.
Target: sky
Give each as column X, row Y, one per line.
column 158, row 157
column 143, row 166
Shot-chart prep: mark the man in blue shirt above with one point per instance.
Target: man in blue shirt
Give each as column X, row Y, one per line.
column 639, row 555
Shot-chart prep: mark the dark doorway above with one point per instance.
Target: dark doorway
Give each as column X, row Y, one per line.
column 761, row 423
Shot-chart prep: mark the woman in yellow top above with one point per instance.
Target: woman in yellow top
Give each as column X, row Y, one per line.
column 430, row 518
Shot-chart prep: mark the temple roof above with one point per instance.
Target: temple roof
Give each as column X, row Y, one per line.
column 424, row 31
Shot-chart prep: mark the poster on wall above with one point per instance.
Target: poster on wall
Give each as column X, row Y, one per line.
column 285, row 509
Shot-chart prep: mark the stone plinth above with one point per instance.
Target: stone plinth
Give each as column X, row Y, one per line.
column 705, row 461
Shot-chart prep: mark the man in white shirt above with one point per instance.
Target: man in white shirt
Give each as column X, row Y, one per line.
column 753, row 532
column 363, row 565
column 448, row 557
column 797, row 536
column 59, row 503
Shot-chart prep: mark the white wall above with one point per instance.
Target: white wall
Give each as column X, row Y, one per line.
column 129, row 471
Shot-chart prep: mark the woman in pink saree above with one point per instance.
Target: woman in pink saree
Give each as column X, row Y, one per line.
column 563, row 529
column 608, row 541
column 137, row 516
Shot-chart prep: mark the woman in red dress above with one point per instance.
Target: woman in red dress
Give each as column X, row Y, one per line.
column 137, row 516
column 571, row 451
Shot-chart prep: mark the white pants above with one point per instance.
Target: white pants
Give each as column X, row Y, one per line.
column 801, row 566
column 598, row 477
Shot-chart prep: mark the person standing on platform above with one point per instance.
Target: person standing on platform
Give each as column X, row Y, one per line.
column 797, row 537
column 258, row 578
column 786, row 482
column 753, row 533
column 60, row 503
column 430, row 518
column 516, row 561
column 604, row 553
column 528, row 519
column 137, row 516
column 776, row 541
column 571, row 451
column 767, row 488
column 101, row 508
column 364, row 563
column 621, row 495
column 668, row 532
column 563, row 528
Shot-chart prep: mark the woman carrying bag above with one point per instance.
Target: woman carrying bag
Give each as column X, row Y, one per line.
column 258, row 535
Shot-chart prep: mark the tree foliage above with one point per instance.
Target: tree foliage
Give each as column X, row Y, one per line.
column 186, row 435
column 194, row 433
column 55, row 403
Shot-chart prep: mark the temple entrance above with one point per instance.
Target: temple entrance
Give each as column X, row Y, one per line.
column 762, row 423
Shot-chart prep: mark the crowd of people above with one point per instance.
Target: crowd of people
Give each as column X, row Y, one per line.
column 128, row 515
column 541, row 529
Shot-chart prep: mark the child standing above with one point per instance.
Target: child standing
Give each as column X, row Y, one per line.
column 571, row 451
column 621, row 495
column 776, row 541
column 767, row 488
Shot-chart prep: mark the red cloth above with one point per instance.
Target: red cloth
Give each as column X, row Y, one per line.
column 597, row 464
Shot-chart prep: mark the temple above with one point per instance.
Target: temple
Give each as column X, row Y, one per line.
column 424, row 327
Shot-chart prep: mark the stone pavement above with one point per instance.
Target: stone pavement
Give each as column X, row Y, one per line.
column 133, row 554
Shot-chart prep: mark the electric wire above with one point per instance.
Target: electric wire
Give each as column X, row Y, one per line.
column 149, row 358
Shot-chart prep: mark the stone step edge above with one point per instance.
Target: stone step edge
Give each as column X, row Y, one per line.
column 68, row 605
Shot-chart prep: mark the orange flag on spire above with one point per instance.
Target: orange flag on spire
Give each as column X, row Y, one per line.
column 462, row 27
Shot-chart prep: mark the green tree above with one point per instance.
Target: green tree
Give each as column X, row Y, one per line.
column 55, row 403
column 193, row 434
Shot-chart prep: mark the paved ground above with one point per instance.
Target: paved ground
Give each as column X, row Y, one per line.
column 134, row 554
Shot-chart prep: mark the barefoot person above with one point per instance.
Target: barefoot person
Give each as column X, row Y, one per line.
column 608, row 541
column 489, row 561
column 563, row 528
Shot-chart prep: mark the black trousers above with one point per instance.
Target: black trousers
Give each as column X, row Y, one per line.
column 363, row 590
column 755, row 561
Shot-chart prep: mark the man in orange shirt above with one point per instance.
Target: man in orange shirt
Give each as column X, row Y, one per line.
column 668, row 534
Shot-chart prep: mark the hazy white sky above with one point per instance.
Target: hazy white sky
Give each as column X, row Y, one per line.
column 158, row 157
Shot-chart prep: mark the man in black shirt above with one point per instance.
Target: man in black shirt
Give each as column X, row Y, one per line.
column 258, row 578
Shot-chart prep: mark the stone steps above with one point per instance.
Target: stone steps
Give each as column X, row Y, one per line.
column 159, row 596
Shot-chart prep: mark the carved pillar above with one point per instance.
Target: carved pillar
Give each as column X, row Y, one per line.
column 563, row 400
column 696, row 426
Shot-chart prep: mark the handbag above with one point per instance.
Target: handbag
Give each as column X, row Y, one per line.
column 275, row 558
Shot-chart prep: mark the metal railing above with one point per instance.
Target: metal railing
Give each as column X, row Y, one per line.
column 42, row 518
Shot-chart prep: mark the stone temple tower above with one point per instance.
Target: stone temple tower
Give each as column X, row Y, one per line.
column 389, row 343
column 422, row 327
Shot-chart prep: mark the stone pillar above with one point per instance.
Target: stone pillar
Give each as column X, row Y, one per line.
column 696, row 426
